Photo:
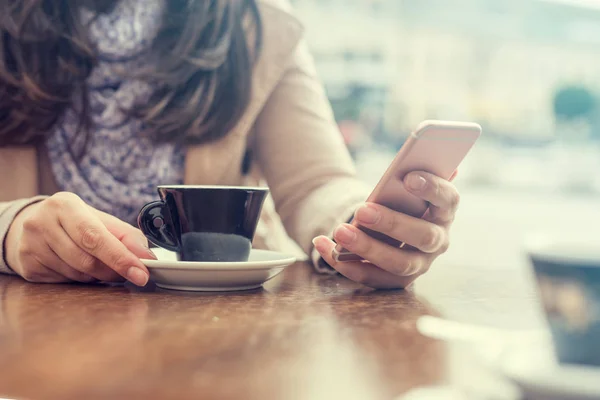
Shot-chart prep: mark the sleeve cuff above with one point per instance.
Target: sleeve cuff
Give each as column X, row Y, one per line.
column 318, row 262
column 6, row 218
column 320, row 265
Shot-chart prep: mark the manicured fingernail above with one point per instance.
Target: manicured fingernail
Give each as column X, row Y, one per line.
column 137, row 276
column 416, row 182
column 344, row 234
column 367, row 215
column 144, row 246
column 152, row 255
column 318, row 243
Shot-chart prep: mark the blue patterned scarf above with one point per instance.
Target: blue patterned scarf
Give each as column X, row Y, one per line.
column 120, row 170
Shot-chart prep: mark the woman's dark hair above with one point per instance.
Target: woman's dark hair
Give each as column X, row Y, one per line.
column 203, row 71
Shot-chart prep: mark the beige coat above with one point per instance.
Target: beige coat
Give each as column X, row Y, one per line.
column 289, row 129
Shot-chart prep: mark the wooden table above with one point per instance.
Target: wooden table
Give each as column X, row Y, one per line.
column 304, row 336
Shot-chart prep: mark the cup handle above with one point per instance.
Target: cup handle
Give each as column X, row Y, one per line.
column 156, row 228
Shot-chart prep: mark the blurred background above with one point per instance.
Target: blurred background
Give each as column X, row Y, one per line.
column 528, row 71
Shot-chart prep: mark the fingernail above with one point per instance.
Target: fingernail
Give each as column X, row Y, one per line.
column 344, row 234
column 144, row 245
column 367, row 215
column 318, row 244
column 136, row 276
column 152, row 255
column 314, row 242
column 416, row 182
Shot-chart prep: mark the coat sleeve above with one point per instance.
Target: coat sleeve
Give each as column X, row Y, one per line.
column 302, row 155
column 8, row 212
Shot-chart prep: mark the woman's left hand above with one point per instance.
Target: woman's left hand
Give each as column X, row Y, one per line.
column 391, row 267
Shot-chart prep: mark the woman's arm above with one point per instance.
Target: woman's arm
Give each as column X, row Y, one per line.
column 303, row 157
column 315, row 189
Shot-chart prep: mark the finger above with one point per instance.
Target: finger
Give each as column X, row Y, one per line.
column 441, row 194
column 394, row 260
column 132, row 238
column 52, row 261
column 64, row 247
column 90, row 234
column 362, row 272
column 416, row 232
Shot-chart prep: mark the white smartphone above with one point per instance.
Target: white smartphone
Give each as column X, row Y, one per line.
column 437, row 147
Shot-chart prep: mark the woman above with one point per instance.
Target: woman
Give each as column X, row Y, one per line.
column 102, row 100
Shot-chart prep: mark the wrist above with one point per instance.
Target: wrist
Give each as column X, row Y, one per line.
column 13, row 236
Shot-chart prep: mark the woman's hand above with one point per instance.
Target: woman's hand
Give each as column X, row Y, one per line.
column 390, row 267
column 63, row 239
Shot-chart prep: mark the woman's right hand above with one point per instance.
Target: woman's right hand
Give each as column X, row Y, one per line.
column 63, row 239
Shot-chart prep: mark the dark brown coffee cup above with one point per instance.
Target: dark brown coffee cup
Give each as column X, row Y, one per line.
column 204, row 223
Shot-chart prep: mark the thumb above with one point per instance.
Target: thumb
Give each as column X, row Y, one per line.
column 131, row 237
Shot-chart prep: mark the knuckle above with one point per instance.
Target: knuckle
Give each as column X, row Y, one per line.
column 418, row 267
column 32, row 226
column 391, row 262
column 90, row 236
column 53, row 202
column 448, row 219
column 391, row 224
column 445, row 246
column 24, row 250
column 425, row 268
column 405, row 268
column 87, row 263
column 65, row 197
column 432, row 239
column 57, row 201
column 454, row 200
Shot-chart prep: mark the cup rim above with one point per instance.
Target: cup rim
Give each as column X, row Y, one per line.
column 543, row 247
column 215, row 187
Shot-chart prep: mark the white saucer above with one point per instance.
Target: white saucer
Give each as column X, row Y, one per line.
column 537, row 373
column 168, row 273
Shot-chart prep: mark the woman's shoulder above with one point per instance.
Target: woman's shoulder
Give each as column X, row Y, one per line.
column 283, row 5
column 275, row 9
column 281, row 30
